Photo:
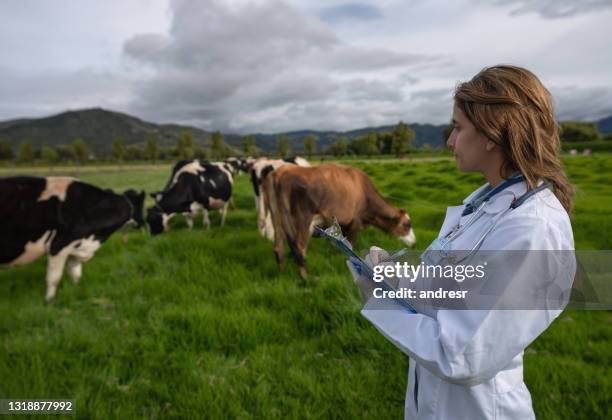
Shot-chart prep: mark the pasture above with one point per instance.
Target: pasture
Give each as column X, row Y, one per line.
column 200, row 325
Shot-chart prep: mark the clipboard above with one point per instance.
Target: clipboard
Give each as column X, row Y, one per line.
column 334, row 235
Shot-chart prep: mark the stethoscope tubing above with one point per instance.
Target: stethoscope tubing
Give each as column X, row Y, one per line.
column 455, row 233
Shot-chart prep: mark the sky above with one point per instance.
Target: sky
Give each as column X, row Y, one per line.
column 267, row 66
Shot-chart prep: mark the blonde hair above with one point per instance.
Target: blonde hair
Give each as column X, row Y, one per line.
column 512, row 108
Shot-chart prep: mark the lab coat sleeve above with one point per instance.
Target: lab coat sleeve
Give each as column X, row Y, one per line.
column 469, row 347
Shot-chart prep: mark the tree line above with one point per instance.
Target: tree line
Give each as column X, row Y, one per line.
column 151, row 150
column 397, row 142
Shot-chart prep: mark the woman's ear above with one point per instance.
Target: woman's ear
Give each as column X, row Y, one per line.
column 490, row 145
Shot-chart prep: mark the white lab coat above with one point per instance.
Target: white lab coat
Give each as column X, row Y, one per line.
column 468, row 364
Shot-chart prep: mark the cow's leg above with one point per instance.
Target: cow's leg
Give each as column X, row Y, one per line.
column 223, row 212
column 351, row 232
column 279, row 249
column 189, row 218
column 75, row 268
column 301, row 244
column 55, row 269
column 206, row 220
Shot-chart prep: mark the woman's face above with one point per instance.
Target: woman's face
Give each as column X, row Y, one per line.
column 468, row 144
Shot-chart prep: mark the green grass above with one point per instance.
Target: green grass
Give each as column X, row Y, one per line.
column 200, row 324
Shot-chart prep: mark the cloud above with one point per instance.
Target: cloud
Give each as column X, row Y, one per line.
column 350, row 12
column 554, row 9
column 582, row 104
column 241, row 67
column 38, row 93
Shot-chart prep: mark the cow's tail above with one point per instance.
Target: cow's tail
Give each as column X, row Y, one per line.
column 284, row 192
column 277, row 201
column 270, row 204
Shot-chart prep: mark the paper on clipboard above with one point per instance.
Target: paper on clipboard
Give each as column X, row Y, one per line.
column 334, row 235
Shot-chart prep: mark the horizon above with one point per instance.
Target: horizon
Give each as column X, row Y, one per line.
column 409, row 123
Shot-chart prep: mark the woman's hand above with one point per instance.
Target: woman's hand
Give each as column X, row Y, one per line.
column 366, row 285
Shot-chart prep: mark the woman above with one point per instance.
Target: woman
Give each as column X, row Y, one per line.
column 468, row 364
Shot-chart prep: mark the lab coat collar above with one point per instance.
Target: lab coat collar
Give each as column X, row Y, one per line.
column 500, row 201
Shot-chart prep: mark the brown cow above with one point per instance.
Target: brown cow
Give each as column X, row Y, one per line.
column 299, row 198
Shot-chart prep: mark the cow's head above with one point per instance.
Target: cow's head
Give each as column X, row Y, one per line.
column 156, row 219
column 136, row 200
column 402, row 228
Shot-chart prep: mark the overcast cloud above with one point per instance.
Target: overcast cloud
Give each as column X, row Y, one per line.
column 269, row 66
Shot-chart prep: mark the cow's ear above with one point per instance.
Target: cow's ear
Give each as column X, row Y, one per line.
column 152, row 195
column 402, row 212
column 142, row 194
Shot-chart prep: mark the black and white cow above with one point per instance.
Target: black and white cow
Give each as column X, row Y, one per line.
column 240, row 164
column 260, row 169
column 177, row 169
column 196, row 185
column 62, row 217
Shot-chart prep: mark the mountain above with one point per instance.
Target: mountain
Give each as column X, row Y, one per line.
column 99, row 127
column 605, row 125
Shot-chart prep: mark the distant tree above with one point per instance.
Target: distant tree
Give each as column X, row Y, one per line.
column 283, row 146
column 310, row 145
column 6, row 152
column 49, row 155
column 166, row 153
column 364, row 145
column 80, row 150
column 371, row 146
column 249, row 146
column 572, row 131
column 199, row 152
column 359, row 145
column 184, row 149
column 152, row 148
column 384, row 141
column 607, row 137
column 219, row 149
column 26, row 153
column 402, row 136
column 133, row 153
column 65, row 152
column 117, row 150
column 340, row 146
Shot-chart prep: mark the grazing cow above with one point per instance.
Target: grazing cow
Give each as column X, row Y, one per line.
column 239, row 165
column 299, row 198
column 260, row 169
column 188, row 165
column 197, row 185
column 62, row 217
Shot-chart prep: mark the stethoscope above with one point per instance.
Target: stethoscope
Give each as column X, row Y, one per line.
column 438, row 250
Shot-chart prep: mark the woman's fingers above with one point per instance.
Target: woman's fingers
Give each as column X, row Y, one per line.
column 376, row 255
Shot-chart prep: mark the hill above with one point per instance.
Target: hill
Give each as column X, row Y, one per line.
column 605, row 125
column 99, row 127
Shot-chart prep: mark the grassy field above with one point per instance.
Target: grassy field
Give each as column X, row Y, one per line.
column 200, row 324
